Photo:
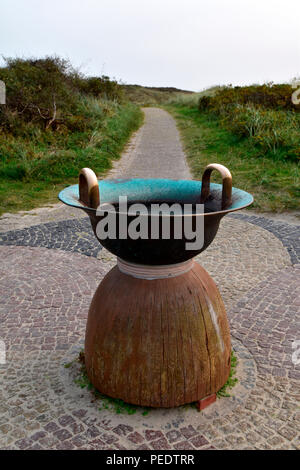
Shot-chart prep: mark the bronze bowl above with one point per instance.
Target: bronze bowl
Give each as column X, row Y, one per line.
column 218, row 200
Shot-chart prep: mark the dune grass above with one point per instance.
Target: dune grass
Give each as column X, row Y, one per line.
column 35, row 167
column 192, row 99
column 152, row 96
column 275, row 184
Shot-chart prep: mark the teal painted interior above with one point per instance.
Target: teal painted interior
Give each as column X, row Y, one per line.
column 147, row 190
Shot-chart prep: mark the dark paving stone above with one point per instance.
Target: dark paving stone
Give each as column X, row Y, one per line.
column 67, row 235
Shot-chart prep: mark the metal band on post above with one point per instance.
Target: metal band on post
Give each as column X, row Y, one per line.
column 227, row 184
column 142, row 271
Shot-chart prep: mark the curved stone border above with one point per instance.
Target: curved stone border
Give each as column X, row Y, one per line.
column 288, row 234
column 68, row 235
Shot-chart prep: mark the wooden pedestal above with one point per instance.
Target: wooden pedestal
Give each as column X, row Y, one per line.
column 159, row 343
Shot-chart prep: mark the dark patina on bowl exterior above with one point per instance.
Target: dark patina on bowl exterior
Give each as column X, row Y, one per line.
column 158, row 191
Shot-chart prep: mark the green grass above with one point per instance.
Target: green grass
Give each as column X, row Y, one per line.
column 232, row 380
column 192, row 99
column 274, row 183
column 36, row 165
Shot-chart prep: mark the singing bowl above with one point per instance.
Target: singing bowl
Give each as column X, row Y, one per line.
column 149, row 191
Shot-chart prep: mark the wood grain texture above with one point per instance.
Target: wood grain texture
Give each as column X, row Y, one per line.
column 159, row 343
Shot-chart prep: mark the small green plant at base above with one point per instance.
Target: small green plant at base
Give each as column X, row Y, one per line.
column 232, row 381
column 107, row 403
column 68, row 365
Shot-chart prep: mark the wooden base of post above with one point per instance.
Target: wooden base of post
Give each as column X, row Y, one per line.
column 159, row 343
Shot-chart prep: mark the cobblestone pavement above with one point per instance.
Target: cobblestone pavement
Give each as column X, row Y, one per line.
column 45, row 295
column 48, row 275
column 158, row 152
column 288, row 234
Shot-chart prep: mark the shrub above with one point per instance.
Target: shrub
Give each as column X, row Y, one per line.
column 47, row 93
column 100, row 87
column 269, row 96
column 37, row 90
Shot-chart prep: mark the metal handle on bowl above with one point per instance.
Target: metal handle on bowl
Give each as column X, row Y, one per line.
column 88, row 188
column 227, row 184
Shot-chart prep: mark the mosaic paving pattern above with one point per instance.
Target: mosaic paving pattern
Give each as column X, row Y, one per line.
column 76, row 235
column 46, row 285
column 68, row 235
column 288, row 234
column 270, row 338
column 45, row 296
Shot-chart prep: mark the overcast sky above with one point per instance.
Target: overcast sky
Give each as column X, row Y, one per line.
column 189, row 44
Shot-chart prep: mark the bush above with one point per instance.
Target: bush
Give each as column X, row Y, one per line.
column 55, row 122
column 37, row 90
column 47, row 93
column 100, row 87
column 269, row 96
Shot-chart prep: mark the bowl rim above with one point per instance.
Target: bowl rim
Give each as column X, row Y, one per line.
column 74, row 189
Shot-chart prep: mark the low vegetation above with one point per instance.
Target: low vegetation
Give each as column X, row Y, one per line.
column 152, row 96
column 104, row 402
column 232, row 379
column 55, row 122
column 192, row 99
column 254, row 131
column 265, row 114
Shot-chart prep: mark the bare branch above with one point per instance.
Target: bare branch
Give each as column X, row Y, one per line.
column 54, row 113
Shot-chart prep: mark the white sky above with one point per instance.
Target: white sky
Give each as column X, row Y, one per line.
column 189, row 44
